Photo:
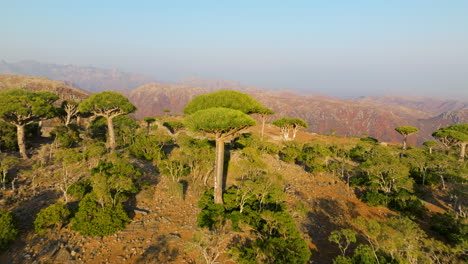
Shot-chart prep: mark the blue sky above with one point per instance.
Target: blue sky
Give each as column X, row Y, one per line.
column 346, row 48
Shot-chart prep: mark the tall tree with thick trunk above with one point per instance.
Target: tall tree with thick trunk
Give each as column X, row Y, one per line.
column 453, row 135
column 108, row 105
column 21, row 107
column 221, row 114
column 222, row 124
column 405, row 131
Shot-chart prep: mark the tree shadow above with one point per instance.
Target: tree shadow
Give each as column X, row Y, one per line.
column 161, row 252
column 25, row 212
column 319, row 224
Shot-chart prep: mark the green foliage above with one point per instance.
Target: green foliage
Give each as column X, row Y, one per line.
column 430, row 143
column 173, row 126
column 79, row 189
column 150, row 147
column 253, row 140
column 224, row 99
column 22, row 107
column 290, row 152
column 370, row 140
column 453, row 229
column 406, row 130
column 112, row 181
column 8, row 138
column 54, row 215
column 375, row 198
column 107, row 104
column 8, row 229
column 343, row 238
column 315, row 156
column 280, row 241
column 125, row 130
column 219, row 121
column 149, row 120
column 95, row 150
column 92, row 219
column 174, row 167
column 452, row 135
column 66, row 136
column 290, row 122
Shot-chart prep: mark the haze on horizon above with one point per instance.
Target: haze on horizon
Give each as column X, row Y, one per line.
column 340, row 48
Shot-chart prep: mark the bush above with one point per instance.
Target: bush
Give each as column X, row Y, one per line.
column 450, row 227
column 79, row 189
column 93, row 220
column 375, row 198
column 290, row 152
column 54, row 215
column 66, row 136
column 280, row 241
column 8, row 229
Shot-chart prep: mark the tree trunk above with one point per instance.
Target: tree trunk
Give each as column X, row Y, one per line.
column 21, row 141
column 68, row 120
column 218, row 183
column 148, row 126
column 110, row 129
column 462, row 151
column 404, row 142
column 430, row 150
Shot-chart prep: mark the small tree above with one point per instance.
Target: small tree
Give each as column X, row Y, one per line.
column 343, row 238
column 6, row 163
column 222, row 124
column 108, row 105
column 54, row 215
column 405, row 131
column 264, row 114
column 8, row 229
column 149, row 120
column 287, row 124
column 71, row 111
column 174, row 126
column 430, row 144
column 21, row 107
column 453, row 135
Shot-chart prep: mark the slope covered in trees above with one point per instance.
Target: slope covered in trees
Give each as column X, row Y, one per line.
column 150, row 198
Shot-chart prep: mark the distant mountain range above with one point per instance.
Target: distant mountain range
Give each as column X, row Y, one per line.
column 89, row 78
column 374, row 116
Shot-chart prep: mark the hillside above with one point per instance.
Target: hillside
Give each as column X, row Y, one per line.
column 89, row 78
column 34, row 84
column 324, row 114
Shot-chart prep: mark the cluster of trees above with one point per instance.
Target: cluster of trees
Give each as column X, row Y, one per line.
column 96, row 179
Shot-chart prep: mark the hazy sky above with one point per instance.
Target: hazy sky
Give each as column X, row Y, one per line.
column 347, row 47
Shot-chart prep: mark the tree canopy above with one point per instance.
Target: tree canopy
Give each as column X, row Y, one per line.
column 405, row 131
column 21, row 107
column 453, row 135
column 286, row 124
column 107, row 104
column 224, row 98
column 219, row 121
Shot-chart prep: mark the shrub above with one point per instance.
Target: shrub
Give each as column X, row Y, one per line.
column 93, row 220
column 450, row 227
column 54, row 215
column 8, row 229
column 79, row 189
column 66, row 136
column 375, row 198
